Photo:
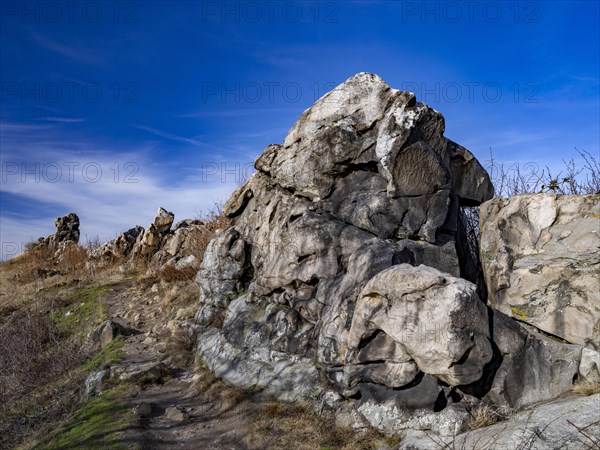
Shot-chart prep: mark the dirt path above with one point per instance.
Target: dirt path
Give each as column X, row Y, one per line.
column 177, row 416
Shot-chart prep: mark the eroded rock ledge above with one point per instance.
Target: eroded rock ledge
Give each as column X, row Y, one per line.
column 340, row 278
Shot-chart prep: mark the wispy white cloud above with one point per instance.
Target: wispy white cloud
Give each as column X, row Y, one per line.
column 111, row 189
column 237, row 112
column 171, row 136
column 64, row 119
column 78, row 53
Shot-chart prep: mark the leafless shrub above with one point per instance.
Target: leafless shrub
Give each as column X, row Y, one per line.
column 72, row 259
column 92, row 244
column 586, row 437
column 213, row 220
column 33, row 355
column 515, row 179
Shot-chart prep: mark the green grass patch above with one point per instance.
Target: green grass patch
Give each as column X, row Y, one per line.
column 111, row 354
column 98, row 425
column 82, row 311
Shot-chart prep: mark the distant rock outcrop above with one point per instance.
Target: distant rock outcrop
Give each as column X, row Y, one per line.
column 67, row 232
column 157, row 243
column 342, row 278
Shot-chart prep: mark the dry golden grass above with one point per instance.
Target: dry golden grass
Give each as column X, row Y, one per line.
column 213, row 221
column 298, row 426
column 216, row 390
column 483, row 416
column 73, row 260
column 171, row 274
column 42, row 348
column 42, row 295
column 585, row 388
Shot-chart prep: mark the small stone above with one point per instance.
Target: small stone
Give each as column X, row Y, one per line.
column 150, row 340
column 93, row 383
column 144, row 409
column 176, row 414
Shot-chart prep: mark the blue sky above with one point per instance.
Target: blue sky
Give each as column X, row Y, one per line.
column 112, row 109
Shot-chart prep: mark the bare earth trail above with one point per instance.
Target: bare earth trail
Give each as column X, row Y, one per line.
column 202, row 424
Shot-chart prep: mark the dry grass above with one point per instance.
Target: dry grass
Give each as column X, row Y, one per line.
column 214, row 220
column 482, row 416
column 278, row 425
column 585, row 388
column 171, row 274
column 180, row 348
column 44, row 316
column 73, row 261
column 216, row 390
column 37, row 367
column 296, row 425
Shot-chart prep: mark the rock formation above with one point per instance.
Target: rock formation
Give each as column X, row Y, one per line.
column 157, row 243
column 541, row 259
column 343, row 280
column 563, row 424
column 67, row 231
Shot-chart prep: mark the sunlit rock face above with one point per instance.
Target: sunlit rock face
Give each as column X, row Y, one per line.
column 541, row 259
column 340, row 276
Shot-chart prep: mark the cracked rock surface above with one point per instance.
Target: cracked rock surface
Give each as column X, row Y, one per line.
column 342, row 275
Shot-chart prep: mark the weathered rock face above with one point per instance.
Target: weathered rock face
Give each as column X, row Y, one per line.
column 67, row 230
column 566, row 424
column 529, row 367
column 184, row 239
column 339, row 278
column 434, row 320
column 158, row 242
column 540, row 256
column 120, row 247
column 154, row 235
column 364, row 181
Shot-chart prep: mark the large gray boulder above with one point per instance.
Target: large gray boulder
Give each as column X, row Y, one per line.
column 531, row 367
column 437, row 320
column 572, row 424
column 540, row 257
column 365, row 180
column 340, row 275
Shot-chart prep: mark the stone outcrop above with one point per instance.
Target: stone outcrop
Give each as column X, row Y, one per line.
column 67, row 232
column 120, row 247
column 364, row 181
column 154, row 235
column 157, row 243
column 566, row 424
column 436, row 324
column 529, row 367
column 541, row 258
column 342, row 280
